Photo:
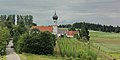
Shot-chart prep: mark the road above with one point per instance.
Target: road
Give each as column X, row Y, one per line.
column 10, row 53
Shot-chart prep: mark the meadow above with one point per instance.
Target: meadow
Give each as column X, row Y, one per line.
column 27, row 56
column 3, row 58
column 71, row 48
column 108, row 42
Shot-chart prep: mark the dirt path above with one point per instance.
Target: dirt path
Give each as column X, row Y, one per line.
column 10, row 53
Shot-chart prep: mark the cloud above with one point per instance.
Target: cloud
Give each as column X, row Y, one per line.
column 69, row 11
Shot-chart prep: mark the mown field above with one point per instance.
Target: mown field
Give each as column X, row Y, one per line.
column 27, row 56
column 108, row 42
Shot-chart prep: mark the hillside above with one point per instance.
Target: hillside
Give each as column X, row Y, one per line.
column 108, row 42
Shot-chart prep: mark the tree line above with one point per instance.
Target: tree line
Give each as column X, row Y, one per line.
column 92, row 26
column 9, row 21
column 25, row 39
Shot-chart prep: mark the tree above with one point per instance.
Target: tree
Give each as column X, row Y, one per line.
column 36, row 42
column 92, row 26
column 72, row 29
column 4, row 37
column 84, row 34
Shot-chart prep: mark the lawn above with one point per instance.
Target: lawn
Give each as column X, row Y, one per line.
column 27, row 56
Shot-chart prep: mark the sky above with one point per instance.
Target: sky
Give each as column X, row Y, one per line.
column 105, row 12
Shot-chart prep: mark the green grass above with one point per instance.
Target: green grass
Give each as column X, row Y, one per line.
column 117, row 56
column 98, row 34
column 71, row 47
column 110, row 48
column 109, row 42
column 3, row 58
column 27, row 56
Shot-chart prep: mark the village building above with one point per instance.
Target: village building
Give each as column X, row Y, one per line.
column 55, row 30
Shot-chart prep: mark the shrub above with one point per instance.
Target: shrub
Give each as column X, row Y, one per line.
column 37, row 42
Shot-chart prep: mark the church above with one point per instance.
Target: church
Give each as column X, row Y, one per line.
column 54, row 29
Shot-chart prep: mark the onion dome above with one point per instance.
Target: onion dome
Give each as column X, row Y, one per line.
column 55, row 17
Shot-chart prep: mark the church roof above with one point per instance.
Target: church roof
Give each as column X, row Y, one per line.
column 44, row 28
column 55, row 17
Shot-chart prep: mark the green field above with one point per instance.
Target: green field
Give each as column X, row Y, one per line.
column 66, row 48
column 71, row 47
column 3, row 58
column 27, row 56
column 108, row 42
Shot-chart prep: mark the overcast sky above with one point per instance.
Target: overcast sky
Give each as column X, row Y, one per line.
column 69, row 11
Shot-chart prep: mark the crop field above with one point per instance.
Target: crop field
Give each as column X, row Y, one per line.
column 71, row 47
column 108, row 42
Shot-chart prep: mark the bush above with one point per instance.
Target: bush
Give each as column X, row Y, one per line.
column 4, row 38
column 36, row 42
column 20, row 43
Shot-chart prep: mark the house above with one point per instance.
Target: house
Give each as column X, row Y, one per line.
column 71, row 33
column 54, row 30
column 61, row 32
column 44, row 28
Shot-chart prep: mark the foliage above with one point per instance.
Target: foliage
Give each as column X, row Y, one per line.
column 91, row 26
column 72, row 29
column 36, row 42
column 71, row 47
column 27, row 19
column 84, row 34
column 9, row 22
column 20, row 42
column 18, row 31
column 4, row 37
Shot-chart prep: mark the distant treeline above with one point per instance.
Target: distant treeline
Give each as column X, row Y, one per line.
column 10, row 19
column 92, row 26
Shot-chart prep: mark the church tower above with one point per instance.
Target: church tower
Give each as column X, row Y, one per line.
column 55, row 18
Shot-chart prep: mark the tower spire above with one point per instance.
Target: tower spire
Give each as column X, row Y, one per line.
column 55, row 17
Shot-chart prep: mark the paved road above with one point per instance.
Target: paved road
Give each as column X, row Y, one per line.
column 10, row 53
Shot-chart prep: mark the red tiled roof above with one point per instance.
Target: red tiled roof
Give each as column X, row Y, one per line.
column 44, row 28
column 71, row 33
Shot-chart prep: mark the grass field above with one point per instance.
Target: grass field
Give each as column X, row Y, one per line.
column 108, row 42
column 71, row 47
column 27, row 56
column 3, row 58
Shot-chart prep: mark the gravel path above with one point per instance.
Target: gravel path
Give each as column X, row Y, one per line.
column 10, row 53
